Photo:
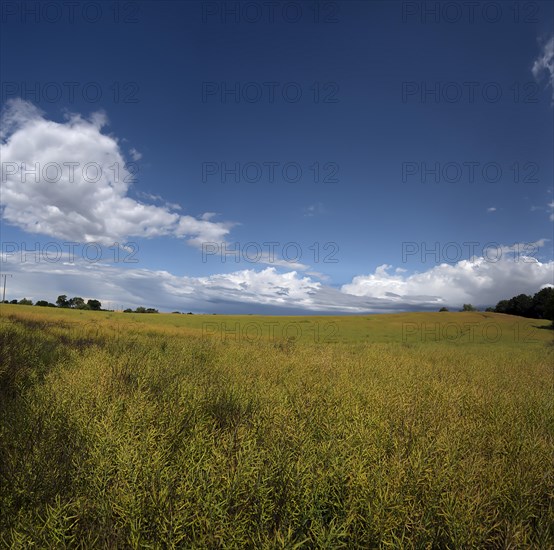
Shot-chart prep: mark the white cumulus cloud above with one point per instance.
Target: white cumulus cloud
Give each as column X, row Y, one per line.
column 478, row 281
column 69, row 180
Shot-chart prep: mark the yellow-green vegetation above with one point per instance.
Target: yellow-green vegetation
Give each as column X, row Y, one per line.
column 170, row 431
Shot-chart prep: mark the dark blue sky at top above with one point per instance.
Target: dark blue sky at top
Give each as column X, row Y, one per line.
column 169, row 51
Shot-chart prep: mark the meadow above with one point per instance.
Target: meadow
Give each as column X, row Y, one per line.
column 416, row 430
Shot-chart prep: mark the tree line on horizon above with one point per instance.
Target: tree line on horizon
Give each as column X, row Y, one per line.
column 538, row 306
column 75, row 303
column 62, row 302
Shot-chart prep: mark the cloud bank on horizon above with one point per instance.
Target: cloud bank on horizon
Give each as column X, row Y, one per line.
column 477, row 281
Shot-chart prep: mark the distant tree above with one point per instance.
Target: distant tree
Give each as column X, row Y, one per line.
column 14, row 302
column 62, row 301
column 520, row 305
column 42, row 303
column 151, row 310
column 443, row 309
column 25, row 302
column 177, row 312
column 94, row 305
column 549, row 309
column 490, row 310
column 468, row 307
column 140, row 309
column 76, row 302
column 128, row 310
column 190, row 313
column 540, row 301
column 533, row 307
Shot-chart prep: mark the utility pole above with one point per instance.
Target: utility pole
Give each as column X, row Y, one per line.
column 5, row 275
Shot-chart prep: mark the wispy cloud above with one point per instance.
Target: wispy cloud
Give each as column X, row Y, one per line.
column 157, row 198
column 491, row 209
column 135, row 155
column 544, row 64
column 549, row 208
column 315, row 209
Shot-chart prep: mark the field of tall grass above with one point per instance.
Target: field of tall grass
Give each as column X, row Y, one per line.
column 176, row 431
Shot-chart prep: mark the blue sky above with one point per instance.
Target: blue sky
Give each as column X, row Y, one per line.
column 345, row 111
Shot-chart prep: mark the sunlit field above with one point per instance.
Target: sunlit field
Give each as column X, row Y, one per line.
column 423, row 430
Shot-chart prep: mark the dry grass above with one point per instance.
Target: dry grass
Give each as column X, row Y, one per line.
column 157, row 437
